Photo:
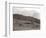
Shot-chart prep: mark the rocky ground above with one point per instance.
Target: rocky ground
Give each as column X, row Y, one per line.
column 21, row 22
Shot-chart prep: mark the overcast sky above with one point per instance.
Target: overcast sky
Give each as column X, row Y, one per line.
column 27, row 12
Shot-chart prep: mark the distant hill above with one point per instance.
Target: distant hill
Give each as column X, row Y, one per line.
column 26, row 18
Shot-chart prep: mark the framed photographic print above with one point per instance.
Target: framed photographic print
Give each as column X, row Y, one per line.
column 24, row 18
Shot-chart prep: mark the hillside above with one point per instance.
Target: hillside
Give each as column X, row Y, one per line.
column 21, row 22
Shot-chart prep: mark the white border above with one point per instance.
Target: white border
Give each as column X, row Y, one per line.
column 30, row 31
